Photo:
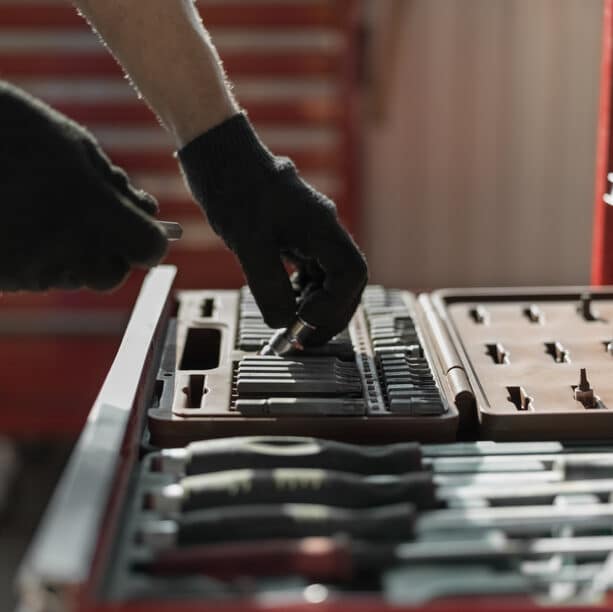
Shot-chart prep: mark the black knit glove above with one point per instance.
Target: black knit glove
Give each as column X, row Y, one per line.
column 264, row 212
column 69, row 218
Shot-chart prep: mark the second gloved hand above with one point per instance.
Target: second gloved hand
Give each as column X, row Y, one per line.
column 69, row 218
column 265, row 212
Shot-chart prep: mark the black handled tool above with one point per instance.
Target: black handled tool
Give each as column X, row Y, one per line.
column 293, row 485
column 274, row 521
column 340, row 558
column 264, row 452
column 172, row 229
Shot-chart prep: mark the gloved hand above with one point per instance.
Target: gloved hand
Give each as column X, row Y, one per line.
column 69, row 217
column 264, row 212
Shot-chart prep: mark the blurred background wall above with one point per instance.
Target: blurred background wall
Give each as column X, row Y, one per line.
column 479, row 159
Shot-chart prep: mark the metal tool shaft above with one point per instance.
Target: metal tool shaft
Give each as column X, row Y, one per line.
column 173, row 230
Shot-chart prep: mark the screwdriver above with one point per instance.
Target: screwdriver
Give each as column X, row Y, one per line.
column 538, row 462
column 520, row 520
column 272, row 521
column 262, row 452
column 292, row 485
column 393, row 522
column 305, row 485
column 340, row 558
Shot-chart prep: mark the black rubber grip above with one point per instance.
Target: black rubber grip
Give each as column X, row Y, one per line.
column 295, row 521
column 268, row 452
column 297, row 485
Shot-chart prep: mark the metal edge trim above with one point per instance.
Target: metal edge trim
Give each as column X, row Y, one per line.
column 61, row 554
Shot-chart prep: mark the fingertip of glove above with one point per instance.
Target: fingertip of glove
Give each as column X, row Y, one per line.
column 356, row 274
column 145, row 241
column 145, row 201
column 319, row 337
column 277, row 317
column 107, row 275
column 152, row 247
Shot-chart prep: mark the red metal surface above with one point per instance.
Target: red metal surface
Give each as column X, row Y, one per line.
column 350, row 118
column 602, row 246
column 467, row 604
column 129, row 452
column 253, row 15
column 44, row 390
column 38, row 64
column 288, row 64
column 314, row 111
column 215, row 267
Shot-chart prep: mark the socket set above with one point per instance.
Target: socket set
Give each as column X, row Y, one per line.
column 539, row 362
column 375, row 381
column 506, row 364
column 532, row 519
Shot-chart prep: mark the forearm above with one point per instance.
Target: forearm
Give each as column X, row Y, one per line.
column 168, row 55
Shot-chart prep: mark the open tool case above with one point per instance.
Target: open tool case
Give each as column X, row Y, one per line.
column 361, row 475
column 376, row 381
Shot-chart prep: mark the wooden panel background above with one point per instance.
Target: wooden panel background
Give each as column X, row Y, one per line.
column 481, row 170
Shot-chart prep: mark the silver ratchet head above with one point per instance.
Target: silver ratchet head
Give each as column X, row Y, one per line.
column 289, row 340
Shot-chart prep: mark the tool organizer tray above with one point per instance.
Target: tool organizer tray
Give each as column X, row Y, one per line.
column 367, row 519
column 208, row 476
column 374, row 381
column 524, row 351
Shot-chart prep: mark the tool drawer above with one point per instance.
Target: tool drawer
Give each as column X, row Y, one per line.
column 385, row 470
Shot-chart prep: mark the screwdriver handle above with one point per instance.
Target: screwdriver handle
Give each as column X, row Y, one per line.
column 297, row 485
column 255, row 522
column 266, row 452
column 320, row 559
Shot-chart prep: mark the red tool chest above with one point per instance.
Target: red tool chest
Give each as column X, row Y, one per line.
column 602, row 245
